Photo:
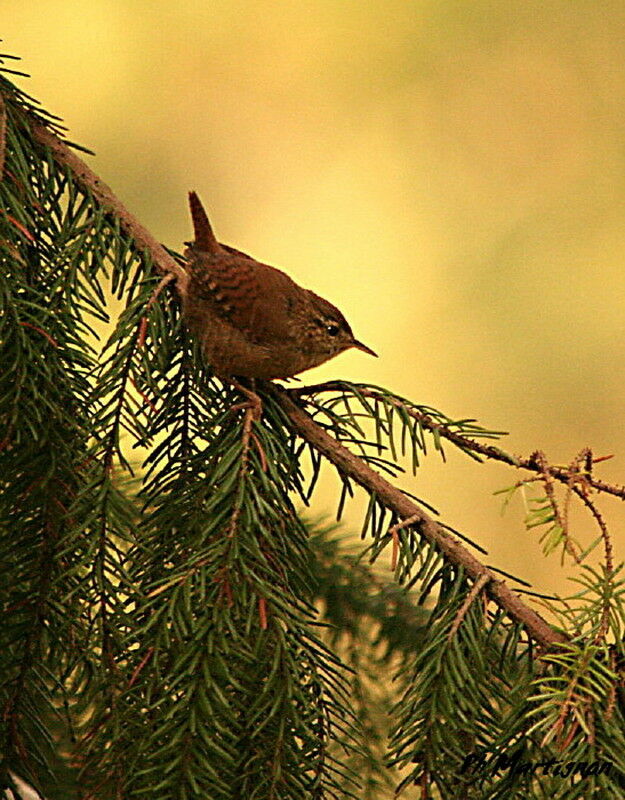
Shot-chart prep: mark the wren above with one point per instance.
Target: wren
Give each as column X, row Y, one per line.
column 252, row 320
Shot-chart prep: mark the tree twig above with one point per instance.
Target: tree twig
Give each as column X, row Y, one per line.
column 548, row 484
column 394, row 533
column 468, row 601
column 3, row 132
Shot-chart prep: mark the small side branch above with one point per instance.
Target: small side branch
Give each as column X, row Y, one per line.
column 462, row 611
column 3, row 134
column 609, row 561
column 393, row 532
column 143, row 325
column 246, row 436
column 561, row 519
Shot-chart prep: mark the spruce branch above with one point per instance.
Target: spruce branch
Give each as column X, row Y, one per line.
column 179, row 618
column 536, row 462
column 348, row 463
column 90, row 182
column 355, row 468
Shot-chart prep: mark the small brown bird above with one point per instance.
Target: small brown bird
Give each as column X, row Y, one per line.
column 251, row 319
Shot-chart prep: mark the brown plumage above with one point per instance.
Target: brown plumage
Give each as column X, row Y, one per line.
column 251, row 319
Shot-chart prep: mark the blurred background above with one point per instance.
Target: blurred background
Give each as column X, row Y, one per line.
column 450, row 174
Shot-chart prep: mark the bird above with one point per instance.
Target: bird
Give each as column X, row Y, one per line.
column 251, row 319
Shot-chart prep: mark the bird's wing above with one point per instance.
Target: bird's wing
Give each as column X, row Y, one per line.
column 253, row 297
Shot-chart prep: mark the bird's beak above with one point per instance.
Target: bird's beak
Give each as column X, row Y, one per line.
column 364, row 348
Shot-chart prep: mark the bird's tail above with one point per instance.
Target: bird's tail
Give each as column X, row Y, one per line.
column 204, row 237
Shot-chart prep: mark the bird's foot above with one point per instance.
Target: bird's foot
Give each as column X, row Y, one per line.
column 253, row 402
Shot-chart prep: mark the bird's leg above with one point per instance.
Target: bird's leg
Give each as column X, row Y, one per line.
column 253, row 409
column 253, row 401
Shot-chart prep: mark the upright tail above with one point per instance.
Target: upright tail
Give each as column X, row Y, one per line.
column 204, row 237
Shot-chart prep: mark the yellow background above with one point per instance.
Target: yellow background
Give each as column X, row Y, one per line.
column 450, row 174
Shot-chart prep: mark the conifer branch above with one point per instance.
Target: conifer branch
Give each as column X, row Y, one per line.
column 534, row 463
column 346, row 461
column 89, row 181
column 353, row 467
column 183, row 656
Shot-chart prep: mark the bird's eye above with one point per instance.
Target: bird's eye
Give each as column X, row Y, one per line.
column 332, row 329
